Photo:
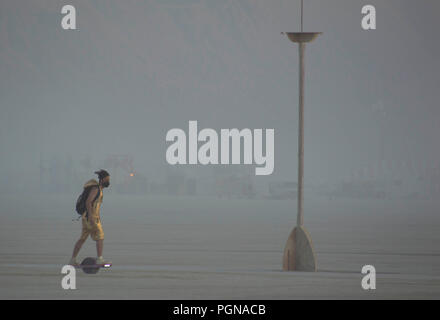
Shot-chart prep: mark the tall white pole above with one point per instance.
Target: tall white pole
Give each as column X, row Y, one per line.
column 300, row 218
column 298, row 252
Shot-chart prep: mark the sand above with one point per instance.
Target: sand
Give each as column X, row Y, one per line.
column 165, row 247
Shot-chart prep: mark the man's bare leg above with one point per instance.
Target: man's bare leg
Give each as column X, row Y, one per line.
column 99, row 247
column 77, row 247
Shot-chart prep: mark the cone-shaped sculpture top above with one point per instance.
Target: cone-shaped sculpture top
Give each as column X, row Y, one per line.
column 302, row 36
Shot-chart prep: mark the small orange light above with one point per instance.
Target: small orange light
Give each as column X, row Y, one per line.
column 131, row 174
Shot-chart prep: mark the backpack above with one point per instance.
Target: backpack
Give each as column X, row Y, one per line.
column 81, row 201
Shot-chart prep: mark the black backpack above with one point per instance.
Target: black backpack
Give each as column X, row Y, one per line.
column 81, row 202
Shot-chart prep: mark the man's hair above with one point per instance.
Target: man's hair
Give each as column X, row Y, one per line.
column 102, row 174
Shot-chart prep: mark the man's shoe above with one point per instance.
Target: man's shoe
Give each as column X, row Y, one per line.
column 101, row 261
column 73, row 262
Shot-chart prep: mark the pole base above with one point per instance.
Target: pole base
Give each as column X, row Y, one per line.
column 299, row 254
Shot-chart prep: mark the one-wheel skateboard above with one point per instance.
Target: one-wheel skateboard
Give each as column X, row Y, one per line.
column 88, row 265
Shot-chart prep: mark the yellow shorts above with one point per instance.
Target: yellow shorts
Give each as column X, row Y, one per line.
column 94, row 230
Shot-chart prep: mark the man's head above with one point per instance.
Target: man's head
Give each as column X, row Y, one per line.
column 104, row 178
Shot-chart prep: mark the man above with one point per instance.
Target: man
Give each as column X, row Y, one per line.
column 91, row 222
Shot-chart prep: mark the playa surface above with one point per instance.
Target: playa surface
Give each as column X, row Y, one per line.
column 165, row 247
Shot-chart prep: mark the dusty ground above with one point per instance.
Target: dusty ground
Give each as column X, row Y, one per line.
column 209, row 248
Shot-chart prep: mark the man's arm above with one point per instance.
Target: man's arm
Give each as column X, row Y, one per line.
column 89, row 203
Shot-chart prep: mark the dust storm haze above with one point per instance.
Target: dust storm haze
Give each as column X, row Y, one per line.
column 134, row 70
column 106, row 94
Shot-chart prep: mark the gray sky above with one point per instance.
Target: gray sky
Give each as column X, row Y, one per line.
column 135, row 69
